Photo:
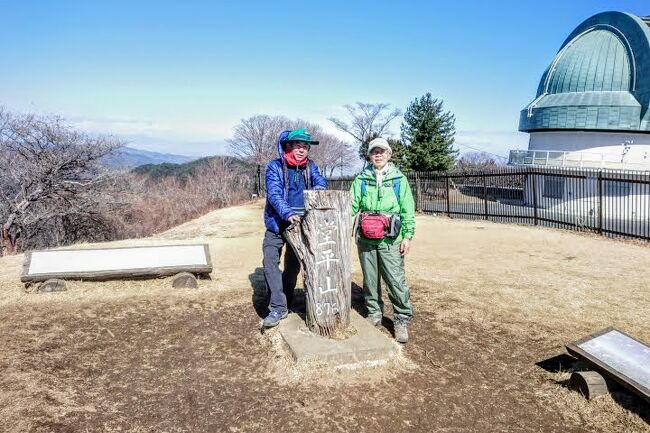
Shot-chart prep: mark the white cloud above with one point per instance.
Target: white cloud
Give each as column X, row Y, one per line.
column 207, row 137
column 184, row 137
column 191, row 129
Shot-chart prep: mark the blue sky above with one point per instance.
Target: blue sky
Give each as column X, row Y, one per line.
column 176, row 77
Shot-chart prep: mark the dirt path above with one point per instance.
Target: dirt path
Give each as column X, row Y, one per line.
column 491, row 301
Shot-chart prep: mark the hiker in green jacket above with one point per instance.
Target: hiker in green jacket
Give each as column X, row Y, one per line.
column 386, row 226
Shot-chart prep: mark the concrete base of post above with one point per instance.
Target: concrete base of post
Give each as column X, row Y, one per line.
column 364, row 344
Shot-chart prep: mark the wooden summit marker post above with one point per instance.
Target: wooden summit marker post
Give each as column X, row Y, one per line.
column 322, row 242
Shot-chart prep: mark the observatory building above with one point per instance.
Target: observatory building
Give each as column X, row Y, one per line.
column 592, row 107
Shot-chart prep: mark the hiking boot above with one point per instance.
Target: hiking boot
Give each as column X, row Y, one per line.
column 401, row 331
column 273, row 319
column 374, row 320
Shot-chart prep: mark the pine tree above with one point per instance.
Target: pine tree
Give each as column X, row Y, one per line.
column 399, row 156
column 428, row 135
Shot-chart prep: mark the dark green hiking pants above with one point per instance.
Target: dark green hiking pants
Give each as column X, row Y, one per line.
column 384, row 262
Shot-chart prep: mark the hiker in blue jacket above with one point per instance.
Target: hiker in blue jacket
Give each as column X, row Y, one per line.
column 286, row 179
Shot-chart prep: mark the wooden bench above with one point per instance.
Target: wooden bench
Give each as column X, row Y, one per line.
column 55, row 266
column 612, row 354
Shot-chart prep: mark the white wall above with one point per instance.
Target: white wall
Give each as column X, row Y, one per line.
column 610, row 143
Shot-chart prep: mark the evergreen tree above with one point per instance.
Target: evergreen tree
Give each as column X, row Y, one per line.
column 428, row 135
column 399, row 153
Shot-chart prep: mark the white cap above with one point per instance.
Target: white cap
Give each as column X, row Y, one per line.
column 379, row 142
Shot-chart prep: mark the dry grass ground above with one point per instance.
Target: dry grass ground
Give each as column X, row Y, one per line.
column 491, row 302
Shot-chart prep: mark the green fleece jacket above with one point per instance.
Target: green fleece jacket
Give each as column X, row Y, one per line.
column 384, row 200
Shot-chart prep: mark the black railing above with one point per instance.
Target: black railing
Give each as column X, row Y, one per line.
column 609, row 202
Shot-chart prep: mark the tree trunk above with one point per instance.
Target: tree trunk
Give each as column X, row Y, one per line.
column 322, row 242
column 8, row 247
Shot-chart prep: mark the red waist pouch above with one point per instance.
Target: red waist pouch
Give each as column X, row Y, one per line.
column 373, row 225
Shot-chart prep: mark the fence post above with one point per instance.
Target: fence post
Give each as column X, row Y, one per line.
column 418, row 200
column 600, row 202
column 448, row 206
column 485, row 196
column 534, row 177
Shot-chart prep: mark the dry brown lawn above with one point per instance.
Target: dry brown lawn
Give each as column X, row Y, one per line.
column 491, row 302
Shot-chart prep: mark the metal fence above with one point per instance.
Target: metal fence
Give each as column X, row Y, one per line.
column 609, row 202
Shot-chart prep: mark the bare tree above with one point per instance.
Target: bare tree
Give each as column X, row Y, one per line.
column 255, row 138
column 159, row 203
column 478, row 161
column 331, row 153
column 367, row 121
column 52, row 179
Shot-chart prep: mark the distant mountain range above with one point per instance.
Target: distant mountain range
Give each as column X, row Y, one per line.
column 189, row 168
column 128, row 158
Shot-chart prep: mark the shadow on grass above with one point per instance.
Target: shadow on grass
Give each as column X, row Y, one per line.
column 558, row 364
column 565, row 363
column 357, row 301
column 631, row 402
column 260, row 297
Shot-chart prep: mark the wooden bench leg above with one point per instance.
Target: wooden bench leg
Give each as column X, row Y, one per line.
column 589, row 383
column 52, row 285
column 184, row 280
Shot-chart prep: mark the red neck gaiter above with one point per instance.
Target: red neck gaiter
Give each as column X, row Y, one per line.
column 290, row 158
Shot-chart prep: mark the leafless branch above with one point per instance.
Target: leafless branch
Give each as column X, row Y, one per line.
column 367, row 121
column 46, row 166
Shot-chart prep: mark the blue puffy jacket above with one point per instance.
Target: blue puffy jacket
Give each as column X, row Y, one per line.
column 277, row 210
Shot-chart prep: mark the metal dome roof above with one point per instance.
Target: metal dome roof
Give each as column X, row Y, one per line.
column 599, row 79
column 594, row 61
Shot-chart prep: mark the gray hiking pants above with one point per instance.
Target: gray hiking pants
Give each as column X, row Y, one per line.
column 281, row 284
